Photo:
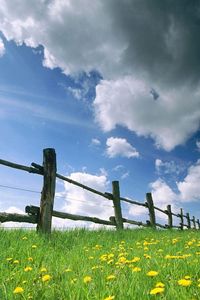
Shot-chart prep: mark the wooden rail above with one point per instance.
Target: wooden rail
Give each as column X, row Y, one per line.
column 42, row 216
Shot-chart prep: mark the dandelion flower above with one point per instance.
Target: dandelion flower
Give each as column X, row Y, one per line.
column 43, row 269
column 87, row 279
column 46, row 278
column 27, row 269
column 110, row 277
column 30, row 259
column 33, row 246
column 160, row 284
column 109, row 298
column 136, row 269
column 184, row 282
column 157, row 290
column 16, row 261
column 24, row 238
column 18, row 290
column 152, row 273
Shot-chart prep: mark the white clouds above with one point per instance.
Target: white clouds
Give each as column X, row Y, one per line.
column 2, row 48
column 198, row 145
column 127, row 102
column 82, row 202
column 168, row 167
column 96, row 142
column 106, row 36
column 190, row 188
column 120, row 147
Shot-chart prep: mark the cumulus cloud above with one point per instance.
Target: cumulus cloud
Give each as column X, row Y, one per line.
column 81, row 202
column 120, row 147
column 127, row 102
column 157, row 51
column 190, row 188
column 168, row 167
column 2, row 48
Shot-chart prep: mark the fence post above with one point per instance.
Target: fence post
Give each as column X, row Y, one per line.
column 117, row 204
column 181, row 217
column 48, row 191
column 151, row 210
column 169, row 213
column 194, row 222
column 188, row 220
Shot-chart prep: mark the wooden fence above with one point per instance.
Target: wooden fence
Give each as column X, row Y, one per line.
column 42, row 215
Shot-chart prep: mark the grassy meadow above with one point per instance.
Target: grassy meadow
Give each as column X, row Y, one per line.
column 100, row 265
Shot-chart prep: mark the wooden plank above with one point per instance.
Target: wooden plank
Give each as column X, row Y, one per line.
column 134, row 222
column 152, row 217
column 48, row 191
column 117, row 205
column 133, row 202
column 169, row 213
column 7, row 217
column 19, row 167
column 188, row 220
column 161, row 210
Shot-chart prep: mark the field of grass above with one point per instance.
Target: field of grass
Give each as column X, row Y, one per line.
column 100, row 265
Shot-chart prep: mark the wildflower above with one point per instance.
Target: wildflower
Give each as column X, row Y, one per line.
column 68, row 270
column 16, row 261
column 33, row 246
column 27, row 269
column 46, row 278
column 30, row 259
column 136, row 269
column 157, row 290
column 24, row 238
column 110, row 277
column 43, row 270
column 87, row 279
column 109, row 298
column 160, row 284
column 9, row 259
column 135, row 259
column 18, row 290
column 184, row 282
column 152, row 273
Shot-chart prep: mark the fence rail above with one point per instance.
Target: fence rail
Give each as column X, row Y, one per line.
column 42, row 215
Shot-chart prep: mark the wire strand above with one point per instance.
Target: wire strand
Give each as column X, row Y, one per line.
column 19, row 189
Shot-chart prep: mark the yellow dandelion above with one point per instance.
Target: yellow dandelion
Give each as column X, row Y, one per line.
column 24, row 238
column 160, row 284
column 68, row 270
column 152, row 273
column 110, row 277
column 18, row 290
column 43, row 270
column 46, row 278
column 87, row 279
column 9, row 259
column 16, row 261
column 33, row 246
column 136, row 269
column 135, row 259
column 157, row 290
column 27, row 269
column 30, row 259
column 184, row 282
column 109, row 298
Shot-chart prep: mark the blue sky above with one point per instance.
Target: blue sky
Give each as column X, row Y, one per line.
column 80, row 81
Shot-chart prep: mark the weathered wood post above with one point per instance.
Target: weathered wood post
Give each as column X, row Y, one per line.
column 194, row 222
column 188, row 221
column 48, row 191
column 169, row 213
column 150, row 206
column 117, row 205
column 181, row 217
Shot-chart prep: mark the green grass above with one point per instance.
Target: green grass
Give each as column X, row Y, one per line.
column 68, row 257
